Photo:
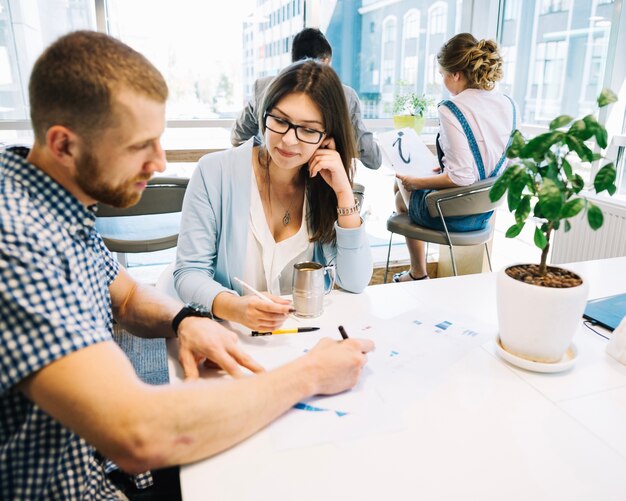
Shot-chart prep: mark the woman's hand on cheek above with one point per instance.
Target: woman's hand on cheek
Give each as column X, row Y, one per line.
column 327, row 163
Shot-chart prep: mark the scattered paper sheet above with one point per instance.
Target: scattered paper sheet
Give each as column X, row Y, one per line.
column 413, row 353
column 407, row 154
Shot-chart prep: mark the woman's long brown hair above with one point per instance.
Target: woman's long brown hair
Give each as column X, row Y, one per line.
column 322, row 85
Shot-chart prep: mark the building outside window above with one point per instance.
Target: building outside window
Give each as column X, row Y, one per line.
column 410, row 47
column 211, row 62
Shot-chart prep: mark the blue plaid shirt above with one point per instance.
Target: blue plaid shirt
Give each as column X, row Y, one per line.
column 54, row 300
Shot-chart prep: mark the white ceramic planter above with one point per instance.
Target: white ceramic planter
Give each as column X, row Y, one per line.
column 538, row 323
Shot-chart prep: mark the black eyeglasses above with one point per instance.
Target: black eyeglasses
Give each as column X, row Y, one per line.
column 282, row 126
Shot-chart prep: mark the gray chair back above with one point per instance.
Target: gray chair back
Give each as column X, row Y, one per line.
column 462, row 201
column 150, row 225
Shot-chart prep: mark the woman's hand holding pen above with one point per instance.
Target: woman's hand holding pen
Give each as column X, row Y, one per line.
column 254, row 312
column 263, row 316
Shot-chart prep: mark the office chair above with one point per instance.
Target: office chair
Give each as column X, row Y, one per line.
column 461, row 201
column 359, row 193
column 150, row 225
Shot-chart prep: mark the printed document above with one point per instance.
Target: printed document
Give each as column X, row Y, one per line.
column 407, row 154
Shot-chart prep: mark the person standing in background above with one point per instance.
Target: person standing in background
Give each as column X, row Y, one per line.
column 310, row 43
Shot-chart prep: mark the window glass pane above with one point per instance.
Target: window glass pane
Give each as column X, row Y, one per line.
column 545, row 44
column 389, row 62
column 211, row 61
column 26, row 28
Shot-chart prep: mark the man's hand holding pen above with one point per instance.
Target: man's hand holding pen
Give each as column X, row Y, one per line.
column 337, row 366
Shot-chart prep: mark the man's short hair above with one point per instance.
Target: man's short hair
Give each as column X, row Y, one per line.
column 75, row 81
column 310, row 43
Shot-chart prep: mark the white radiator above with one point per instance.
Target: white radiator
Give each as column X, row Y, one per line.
column 582, row 243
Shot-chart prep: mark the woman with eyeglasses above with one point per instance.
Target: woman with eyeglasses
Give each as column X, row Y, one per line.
column 254, row 211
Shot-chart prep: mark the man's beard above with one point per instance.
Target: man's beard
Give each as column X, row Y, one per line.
column 91, row 178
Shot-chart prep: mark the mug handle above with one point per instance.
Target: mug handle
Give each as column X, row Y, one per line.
column 330, row 271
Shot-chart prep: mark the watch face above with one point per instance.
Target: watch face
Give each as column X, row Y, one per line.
column 200, row 309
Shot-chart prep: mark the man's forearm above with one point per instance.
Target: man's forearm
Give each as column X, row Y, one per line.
column 141, row 309
column 223, row 416
column 148, row 313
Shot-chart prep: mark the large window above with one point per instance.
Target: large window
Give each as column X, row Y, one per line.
column 26, row 28
column 555, row 55
column 556, row 51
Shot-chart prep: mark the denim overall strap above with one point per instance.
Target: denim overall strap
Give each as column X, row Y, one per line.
column 468, row 134
column 472, row 140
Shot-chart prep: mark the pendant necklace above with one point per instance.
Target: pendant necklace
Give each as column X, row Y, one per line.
column 287, row 215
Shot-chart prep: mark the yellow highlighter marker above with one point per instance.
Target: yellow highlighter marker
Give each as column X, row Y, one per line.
column 285, row 331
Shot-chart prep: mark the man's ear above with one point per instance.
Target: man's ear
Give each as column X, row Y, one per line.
column 63, row 144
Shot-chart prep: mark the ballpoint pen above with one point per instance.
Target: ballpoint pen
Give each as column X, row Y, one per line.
column 342, row 331
column 258, row 294
column 285, row 331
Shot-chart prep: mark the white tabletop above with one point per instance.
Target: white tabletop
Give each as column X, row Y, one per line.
column 486, row 431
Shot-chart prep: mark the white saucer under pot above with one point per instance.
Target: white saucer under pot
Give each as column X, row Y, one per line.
column 538, row 323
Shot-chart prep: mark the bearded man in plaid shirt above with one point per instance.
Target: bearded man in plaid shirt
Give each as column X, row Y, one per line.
column 70, row 401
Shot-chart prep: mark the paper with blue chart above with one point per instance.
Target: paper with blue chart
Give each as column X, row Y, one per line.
column 407, row 154
column 413, row 354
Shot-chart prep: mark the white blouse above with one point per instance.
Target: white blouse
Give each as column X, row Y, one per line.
column 269, row 265
column 490, row 116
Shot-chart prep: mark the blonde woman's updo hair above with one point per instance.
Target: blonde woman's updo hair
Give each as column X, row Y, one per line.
column 478, row 60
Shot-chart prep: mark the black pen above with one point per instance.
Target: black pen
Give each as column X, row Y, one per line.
column 343, row 332
column 285, row 331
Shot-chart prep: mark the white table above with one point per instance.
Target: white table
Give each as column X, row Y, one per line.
column 489, row 431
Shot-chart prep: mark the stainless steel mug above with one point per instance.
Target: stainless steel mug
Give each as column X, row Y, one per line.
column 308, row 287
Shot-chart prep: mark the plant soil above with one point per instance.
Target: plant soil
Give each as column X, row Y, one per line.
column 555, row 277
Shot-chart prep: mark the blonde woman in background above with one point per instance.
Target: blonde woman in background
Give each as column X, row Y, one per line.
column 475, row 128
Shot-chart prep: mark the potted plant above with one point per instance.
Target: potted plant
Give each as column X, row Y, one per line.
column 539, row 306
column 409, row 108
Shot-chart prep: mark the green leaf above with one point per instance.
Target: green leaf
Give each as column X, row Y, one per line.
column 551, row 199
column 567, row 168
column 516, row 186
column 594, row 216
column 575, row 144
column 514, row 230
column 516, row 145
column 537, row 212
column 559, row 122
column 581, row 130
column 552, row 171
column 578, row 183
column 567, row 226
column 502, row 184
column 607, row 96
column 538, row 146
column 523, row 209
column 573, row 207
column 605, row 178
column 540, row 239
column 601, row 137
column 596, row 156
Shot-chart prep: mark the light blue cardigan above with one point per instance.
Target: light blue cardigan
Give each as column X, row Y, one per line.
column 215, row 226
